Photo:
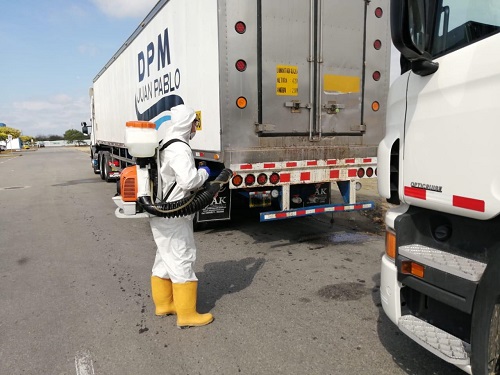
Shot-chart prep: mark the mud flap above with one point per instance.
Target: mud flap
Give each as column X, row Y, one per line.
column 219, row 209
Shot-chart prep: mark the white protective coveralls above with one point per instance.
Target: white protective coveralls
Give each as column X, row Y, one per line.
column 176, row 251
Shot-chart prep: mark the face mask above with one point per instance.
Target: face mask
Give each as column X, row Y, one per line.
column 191, row 136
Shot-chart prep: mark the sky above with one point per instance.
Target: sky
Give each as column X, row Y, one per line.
column 50, row 52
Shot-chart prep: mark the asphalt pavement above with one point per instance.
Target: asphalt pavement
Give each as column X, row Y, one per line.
column 296, row 296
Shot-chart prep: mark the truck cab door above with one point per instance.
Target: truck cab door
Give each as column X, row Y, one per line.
column 451, row 131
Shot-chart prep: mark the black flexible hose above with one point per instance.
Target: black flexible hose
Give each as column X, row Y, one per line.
column 188, row 205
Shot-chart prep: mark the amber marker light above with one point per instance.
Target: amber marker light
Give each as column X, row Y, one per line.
column 237, row 180
column 411, row 268
column 375, row 106
column 241, row 102
column 390, row 244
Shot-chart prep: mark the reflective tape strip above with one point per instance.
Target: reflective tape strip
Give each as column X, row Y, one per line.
column 449, row 200
column 267, row 216
column 469, row 203
column 415, row 193
column 303, row 164
column 285, row 177
column 335, row 173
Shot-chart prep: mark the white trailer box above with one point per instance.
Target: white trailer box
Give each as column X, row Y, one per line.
column 290, row 95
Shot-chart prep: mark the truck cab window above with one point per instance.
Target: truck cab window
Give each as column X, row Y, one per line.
column 417, row 22
column 463, row 22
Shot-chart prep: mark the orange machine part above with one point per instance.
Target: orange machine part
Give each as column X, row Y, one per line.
column 128, row 184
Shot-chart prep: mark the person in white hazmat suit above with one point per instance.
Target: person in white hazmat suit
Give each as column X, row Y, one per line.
column 173, row 282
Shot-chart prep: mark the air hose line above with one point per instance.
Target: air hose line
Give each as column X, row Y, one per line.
column 190, row 204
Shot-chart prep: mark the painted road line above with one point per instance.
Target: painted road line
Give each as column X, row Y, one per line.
column 83, row 363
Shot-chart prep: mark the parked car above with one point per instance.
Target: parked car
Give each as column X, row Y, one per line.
column 3, row 148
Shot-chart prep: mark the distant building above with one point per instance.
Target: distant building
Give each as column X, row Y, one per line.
column 2, row 125
column 15, row 144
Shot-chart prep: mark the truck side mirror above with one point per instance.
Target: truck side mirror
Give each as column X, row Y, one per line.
column 411, row 22
column 85, row 128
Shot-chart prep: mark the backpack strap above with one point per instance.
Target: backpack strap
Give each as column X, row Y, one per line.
column 173, row 141
column 163, row 148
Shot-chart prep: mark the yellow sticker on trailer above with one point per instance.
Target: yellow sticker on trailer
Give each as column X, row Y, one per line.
column 287, row 80
column 341, row 84
column 198, row 124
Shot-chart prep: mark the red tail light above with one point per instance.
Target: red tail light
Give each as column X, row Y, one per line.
column 369, row 172
column 116, row 163
column 250, row 180
column 274, row 179
column 361, row 173
column 241, row 65
column 240, row 27
column 261, row 179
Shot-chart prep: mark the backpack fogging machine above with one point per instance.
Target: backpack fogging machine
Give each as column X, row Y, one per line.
column 139, row 189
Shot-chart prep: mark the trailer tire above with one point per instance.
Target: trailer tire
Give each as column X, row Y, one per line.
column 107, row 168
column 485, row 332
column 100, row 160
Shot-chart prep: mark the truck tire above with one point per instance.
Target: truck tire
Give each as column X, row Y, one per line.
column 485, row 336
column 95, row 167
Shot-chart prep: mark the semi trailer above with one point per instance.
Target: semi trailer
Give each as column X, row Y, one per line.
column 290, row 96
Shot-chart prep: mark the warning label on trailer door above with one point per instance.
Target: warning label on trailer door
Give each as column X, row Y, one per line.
column 287, row 80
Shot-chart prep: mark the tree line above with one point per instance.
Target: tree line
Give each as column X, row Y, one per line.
column 71, row 136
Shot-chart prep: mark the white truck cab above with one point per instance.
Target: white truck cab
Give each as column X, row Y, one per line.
column 439, row 163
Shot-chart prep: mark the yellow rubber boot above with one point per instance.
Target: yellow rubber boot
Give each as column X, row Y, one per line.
column 185, row 305
column 161, row 291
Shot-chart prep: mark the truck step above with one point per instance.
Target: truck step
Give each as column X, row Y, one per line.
column 454, row 264
column 442, row 344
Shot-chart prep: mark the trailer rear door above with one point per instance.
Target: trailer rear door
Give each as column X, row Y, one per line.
column 311, row 67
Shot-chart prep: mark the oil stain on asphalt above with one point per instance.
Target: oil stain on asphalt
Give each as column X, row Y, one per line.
column 343, row 291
